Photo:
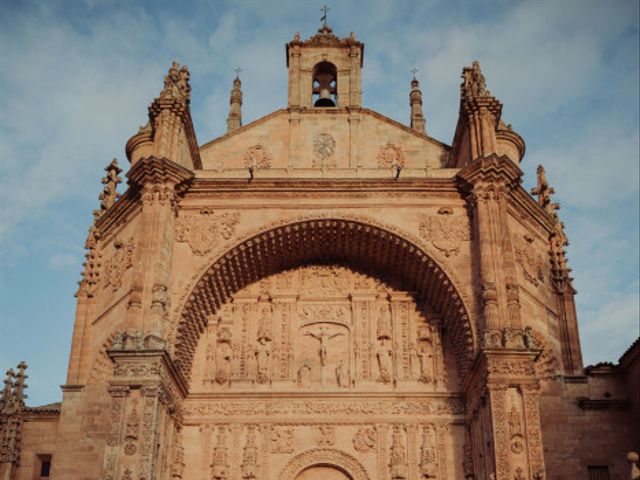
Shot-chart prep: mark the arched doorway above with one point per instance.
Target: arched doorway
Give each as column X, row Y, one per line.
column 323, row 473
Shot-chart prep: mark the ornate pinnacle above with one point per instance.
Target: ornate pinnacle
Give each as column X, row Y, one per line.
column 5, row 396
column 110, row 182
column 473, row 82
column 176, row 84
column 20, row 385
column 544, row 192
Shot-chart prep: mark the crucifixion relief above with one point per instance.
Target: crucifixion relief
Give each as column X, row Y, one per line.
column 323, row 335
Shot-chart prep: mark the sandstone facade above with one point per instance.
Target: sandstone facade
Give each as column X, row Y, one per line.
column 325, row 293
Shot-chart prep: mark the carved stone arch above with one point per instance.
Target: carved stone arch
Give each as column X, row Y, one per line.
column 324, row 457
column 363, row 245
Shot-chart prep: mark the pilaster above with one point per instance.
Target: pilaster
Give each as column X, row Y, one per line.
column 488, row 183
column 159, row 182
column 146, row 393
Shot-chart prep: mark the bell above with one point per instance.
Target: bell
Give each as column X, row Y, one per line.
column 325, row 99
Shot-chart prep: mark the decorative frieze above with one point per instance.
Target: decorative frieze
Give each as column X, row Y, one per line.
column 203, row 230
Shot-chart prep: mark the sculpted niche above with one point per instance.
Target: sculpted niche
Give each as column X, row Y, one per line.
column 324, row 327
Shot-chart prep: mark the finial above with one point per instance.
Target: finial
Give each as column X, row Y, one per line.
column 544, row 192
column 176, row 84
column 414, row 70
column 110, row 182
column 473, row 82
column 323, row 19
column 237, row 70
column 234, row 119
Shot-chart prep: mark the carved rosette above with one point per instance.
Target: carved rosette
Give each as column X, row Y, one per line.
column 204, row 230
column 446, row 231
column 390, row 156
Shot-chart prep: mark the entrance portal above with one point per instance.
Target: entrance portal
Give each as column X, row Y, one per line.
column 322, row 473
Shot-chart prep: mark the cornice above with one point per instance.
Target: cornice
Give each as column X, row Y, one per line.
column 158, row 170
column 491, row 169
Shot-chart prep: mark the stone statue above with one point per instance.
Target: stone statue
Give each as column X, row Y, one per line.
column 263, row 355
column 426, row 356
column 385, row 363
column 342, row 375
column 223, row 355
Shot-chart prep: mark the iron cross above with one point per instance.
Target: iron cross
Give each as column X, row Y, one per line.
column 414, row 71
column 237, row 70
column 324, row 9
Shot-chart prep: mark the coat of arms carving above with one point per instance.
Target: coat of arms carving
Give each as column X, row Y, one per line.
column 446, row 231
column 390, row 156
column 531, row 263
column 324, row 146
column 119, row 263
column 257, row 156
column 201, row 231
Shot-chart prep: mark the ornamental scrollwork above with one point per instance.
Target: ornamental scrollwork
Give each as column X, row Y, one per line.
column 204, row 230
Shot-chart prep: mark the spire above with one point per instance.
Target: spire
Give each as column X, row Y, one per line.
column 415, row 101
column 234, row 120
column 473, row 84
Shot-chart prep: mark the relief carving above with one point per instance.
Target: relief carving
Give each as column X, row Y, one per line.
column 119, row 263
column 132, row 430
column 256, row 157
column 324, row 147
column 365, row 440
column 249, row 467
column 446, row 231
column 390, row 156
column 429, row 453
column 398, row 457
column 220, row 462
column 206, row 228
column 530, row 261
column 326, row 435
column 282, row 440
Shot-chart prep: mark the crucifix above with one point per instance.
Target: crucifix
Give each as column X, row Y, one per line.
column 324, row 9
column 323, row 336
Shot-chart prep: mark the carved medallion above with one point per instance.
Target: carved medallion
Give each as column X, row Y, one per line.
column 257, row 156
column 282, row 440
column 390, row 156
column 365, row 439
column 446, row 231
column 324, row 146
column 203, row 230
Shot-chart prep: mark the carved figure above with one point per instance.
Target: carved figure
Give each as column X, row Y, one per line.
column 263, row 364
column 427, row 358
column 303, row 377
column 323, row 336
column 385, row 363
column 519, row 474
column 342, row 375
column 529, row 340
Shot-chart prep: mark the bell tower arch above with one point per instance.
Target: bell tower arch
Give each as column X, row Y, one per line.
column 325, row 71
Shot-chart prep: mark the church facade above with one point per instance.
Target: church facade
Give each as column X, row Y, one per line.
column 325, row 293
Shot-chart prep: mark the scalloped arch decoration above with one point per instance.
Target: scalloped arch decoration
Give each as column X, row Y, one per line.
column 368, row 247
column 324, row 457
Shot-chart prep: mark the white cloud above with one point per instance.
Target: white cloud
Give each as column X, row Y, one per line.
column 64, row 260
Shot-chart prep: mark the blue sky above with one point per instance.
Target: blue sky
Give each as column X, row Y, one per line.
column 78, row 77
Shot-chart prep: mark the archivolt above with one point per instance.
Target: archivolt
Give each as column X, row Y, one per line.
column 324, row 457
column 365, row 246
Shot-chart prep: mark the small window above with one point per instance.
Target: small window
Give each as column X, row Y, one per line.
column 598, row 472
column 44, row 469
